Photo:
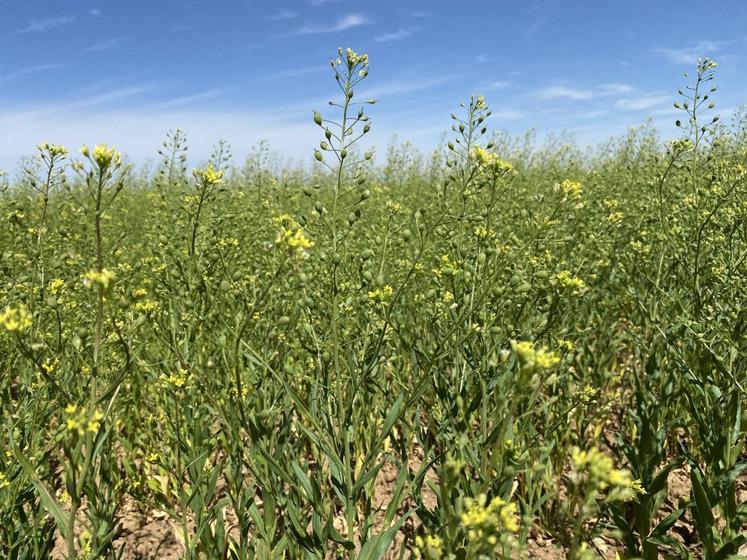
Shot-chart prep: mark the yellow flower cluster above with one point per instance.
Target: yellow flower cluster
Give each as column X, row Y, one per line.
column 54, row 150
column 380, row 294
column 208, row 176
column 295, row 242
column 103, row 155
column 485, row 522
column 81, row 422
column 178, row 380
column 429, row 548
column 569, row 189
column 15, row 319
column 573, row 284
column 4, row 482
column 597, row 471
column 489, row 161
column 531, row 358
column 56, row 285
column 353, row 58
column 103, row 280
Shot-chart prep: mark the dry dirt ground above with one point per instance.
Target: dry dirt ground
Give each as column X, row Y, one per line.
column 151, row 535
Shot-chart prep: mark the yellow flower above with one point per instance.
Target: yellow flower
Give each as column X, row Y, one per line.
column 295, row 242
column 573, row 284
column 54, row 150
column 55, row 286
column 380, row 294
column 531, row 359
column 177, row 380
column 491, row 162
column 208, row 176
column 103, row 280
column 16, row 319
column 569, row 189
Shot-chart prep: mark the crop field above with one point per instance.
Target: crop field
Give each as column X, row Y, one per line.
column 497, row 350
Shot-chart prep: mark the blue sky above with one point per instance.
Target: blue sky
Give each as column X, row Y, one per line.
column 125, row 72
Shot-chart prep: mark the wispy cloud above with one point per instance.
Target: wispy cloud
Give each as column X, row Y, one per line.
column 582, row 94
column 282, row 15
column 498, row 84
column 642, row 102
column 402, row 33
column 481, row 58
column 38, row 25
column 317, row 3
column 95, row 12
column 10, row 76
column 345, row 22
column 188, row 100
column 294, row 72
column 564, row 92
column 689, row 55
column 106, row 45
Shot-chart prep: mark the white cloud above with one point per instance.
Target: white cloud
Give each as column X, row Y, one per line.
column 106, row 45
column 345, row 22
column 689, row 55
column 46, row 24
column 95, row 12
column 498, row 84
column 642, row 102
column 583, row 94
column 294, row 72
column 282, row 15
column 10, row 76
column 564, row 92
column 402, row 33
column 317, row 3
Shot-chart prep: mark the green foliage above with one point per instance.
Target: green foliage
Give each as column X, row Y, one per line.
column 440, row 357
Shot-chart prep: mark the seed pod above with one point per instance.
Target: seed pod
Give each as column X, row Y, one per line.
column 317, row 118
column 318, row 155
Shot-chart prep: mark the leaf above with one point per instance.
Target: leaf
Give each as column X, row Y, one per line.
column 731, row 549
column 667, row 523
column 376, row 547
column 50, row 504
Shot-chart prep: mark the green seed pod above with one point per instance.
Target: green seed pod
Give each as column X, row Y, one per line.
column 337, row 258
column 481, row 259
column 307, row 191
column 309, row 302
column 367, row 276
column 318, row 207
column 284, row 320
column 318, row 155
column 343, row 154
column 303, row 278
column 317, row 118
column 524, row 288
column 352, row 218
column 367, row 254
column 326, row 357
column 365, row 194
column 406, row 235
